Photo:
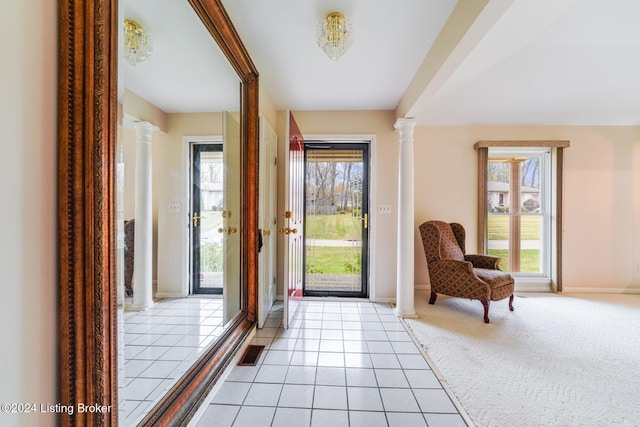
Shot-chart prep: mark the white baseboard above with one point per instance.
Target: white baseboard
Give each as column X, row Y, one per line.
column 384, row 300
column 166, row 295
column 533, row 287
column 583, row 290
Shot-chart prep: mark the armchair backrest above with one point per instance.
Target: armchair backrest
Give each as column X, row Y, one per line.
column 442, row 240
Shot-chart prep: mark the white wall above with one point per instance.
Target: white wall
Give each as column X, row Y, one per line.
column 601, row 197
column 28, row 173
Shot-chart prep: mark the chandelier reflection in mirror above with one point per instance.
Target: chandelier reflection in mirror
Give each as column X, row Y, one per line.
column 138, row 45
column 335, row 35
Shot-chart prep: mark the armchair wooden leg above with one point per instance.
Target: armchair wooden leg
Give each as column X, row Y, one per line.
column 511, row 302
column 432, row 300
column 486, row 311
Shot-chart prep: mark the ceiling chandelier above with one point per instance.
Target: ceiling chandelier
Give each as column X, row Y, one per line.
column 334, row 35
column 138, row 45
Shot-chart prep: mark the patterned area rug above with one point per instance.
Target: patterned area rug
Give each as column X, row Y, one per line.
column 557, row 360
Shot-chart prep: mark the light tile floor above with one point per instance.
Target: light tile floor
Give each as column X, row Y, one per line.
column 348, row 363
column 160, row 344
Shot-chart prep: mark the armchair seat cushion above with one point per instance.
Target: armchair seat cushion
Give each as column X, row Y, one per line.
column 495, row 278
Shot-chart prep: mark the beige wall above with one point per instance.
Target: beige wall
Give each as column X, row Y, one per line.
column 601, row 201
column 267, row 109
column 384, row 180
column 28, row 172
column 144, row 111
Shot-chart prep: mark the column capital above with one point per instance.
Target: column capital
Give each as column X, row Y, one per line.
column 131, row 122
column 405, row 124
column 144, row 125
column 144, row 131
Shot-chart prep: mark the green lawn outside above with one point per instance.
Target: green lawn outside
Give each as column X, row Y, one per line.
column 529, row 259
column 332, row 260
column 333, row 227
column 498, row 227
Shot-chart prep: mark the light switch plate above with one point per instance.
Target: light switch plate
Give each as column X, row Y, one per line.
column 384, row 209
column 174, row 207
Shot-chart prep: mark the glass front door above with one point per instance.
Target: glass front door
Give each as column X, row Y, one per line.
column 207, row 198
column 336, row 219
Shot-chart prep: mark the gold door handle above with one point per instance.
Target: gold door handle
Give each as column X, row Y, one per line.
column 266, row 232
column 228, row 230
column 196, row 219
column 287, row 230
column 365, row 221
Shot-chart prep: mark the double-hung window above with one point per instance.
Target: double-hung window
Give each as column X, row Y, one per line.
column 519, row 213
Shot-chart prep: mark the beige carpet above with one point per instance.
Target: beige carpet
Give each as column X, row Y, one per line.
column 570, row 360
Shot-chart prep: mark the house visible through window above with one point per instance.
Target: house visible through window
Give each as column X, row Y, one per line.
column 520, row 212
column 518, row 209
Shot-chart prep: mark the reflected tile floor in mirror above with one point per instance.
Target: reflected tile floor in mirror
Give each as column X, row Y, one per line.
column 340, row 364
column 160, row 344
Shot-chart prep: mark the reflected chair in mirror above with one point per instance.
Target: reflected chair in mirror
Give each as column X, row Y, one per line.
column 129, row 239
column 452, row 272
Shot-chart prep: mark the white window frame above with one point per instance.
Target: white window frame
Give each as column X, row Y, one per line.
column 544, row 154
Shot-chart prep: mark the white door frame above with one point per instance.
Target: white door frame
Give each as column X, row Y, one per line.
column 188, row 141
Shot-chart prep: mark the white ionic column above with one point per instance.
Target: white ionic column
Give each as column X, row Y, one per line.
column 143, row 237
column 405, row 277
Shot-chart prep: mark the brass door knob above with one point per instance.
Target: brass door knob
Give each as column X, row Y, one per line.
column 228, row 230
column 196, row 219
column 365, row 220
column 287, row 230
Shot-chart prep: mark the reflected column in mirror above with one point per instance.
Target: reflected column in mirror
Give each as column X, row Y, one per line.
column 187, row 92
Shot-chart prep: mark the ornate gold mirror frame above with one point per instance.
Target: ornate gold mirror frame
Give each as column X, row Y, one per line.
column 88, row 46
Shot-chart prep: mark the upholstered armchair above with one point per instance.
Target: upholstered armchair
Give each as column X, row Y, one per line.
column 454, row 273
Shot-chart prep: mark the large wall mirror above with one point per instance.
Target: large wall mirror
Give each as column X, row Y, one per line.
column 158, row 203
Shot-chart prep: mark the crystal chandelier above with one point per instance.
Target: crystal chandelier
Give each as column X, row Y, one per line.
column 335, row 34
column 138, row 45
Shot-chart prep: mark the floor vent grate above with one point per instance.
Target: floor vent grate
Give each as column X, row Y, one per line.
column 251, row 356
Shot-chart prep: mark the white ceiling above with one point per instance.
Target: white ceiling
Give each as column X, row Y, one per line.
column 187, row 72
column 561, row 62
column 391, row 38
